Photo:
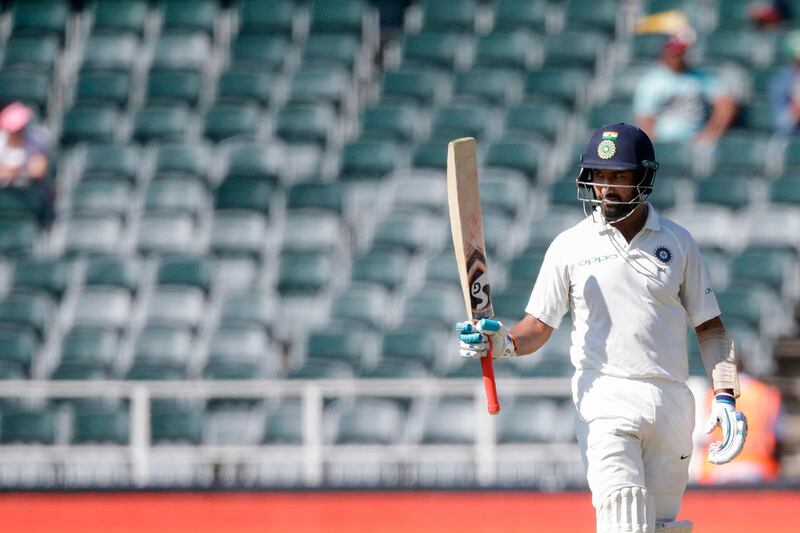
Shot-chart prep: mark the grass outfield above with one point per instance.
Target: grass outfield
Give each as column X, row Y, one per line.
column 764, row 511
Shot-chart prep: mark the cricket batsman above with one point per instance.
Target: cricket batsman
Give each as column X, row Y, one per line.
column 631, row 279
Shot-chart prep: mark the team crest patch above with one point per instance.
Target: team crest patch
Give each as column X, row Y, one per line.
column 664, row 254
column 606, row 149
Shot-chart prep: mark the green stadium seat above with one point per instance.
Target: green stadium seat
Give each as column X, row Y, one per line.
column 102, row 88
column 411, row 344
column 419, row 191
column 325, row 196
column 733, row 14
column 119, row 17
column 647, row 47
column 250, row 160
column 536, row 121
column 166, row 86
column 785, row 191
column 110, row 52
column 361, row 305
column 757, row 116
column 188, row 52
column 390, row 121
column 727, row 191
column 560, row 84
column 43, row 18
column 250, row 308
column 237, row 353
column 313, row 231
column 189, row 16
column 27, row 311
column 737, row 46
column 394, row 369
column 520, row 15
column 160, row 123
column 747, row 303
column 227, row 120
column 17, row 236
column 544, row 228
column 456, row 121
column 165, row 233
column 88, row 349
column 113, row 271
column 239, row 86
column 303, row 273
column 665, row 194
column 188, row 160
column 179, row 306
column 244, row 193
column 17, row 349
column 761, row 265
column 592, row 15
column 190, row 271
column 431, row 49
column 762, row 78
column 269, row 17
column 451, row 421
column 368, row 160
column 16, row 203
column 266, row 53
column 505, row 50
column 431, row 155
column 330, row 49
column 675, row 158
column 95, row 424
column 89, row 124
column 485, row 86
column 409, row 232
column 791, row 157
column 388, row 268
column 434, row 305
column 163, row 347
column 411, row 86
column 441, row 269
column 530, row 420
column 510, row 304
column 178, row 424
column 32, row 88
column 337, row 16
column 284, row 424
column 305, row 123
column 574, row 48
column 623, row 89
column 740, row 155
column 524, row 269
column 46, row 275
column 11, row 371
column 175, row 195
column 31, row 53
column 101, row 197
column 315, row 85
column 236, row 234
column 454, row 16
column 337, row 343
column 92, row 234
column 610, row 113
column 514, row 155
column 371, row 421
column 103, row 307
column 116, row 161
column 28, row 426
column 502, row 192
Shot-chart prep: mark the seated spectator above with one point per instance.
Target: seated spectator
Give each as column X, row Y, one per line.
column 24, row 163
column 674, row 102
column 784, row 89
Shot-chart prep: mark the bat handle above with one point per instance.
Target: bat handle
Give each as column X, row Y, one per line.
column 492, row 402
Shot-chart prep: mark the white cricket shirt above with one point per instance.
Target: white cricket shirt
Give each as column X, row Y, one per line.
column 629, row 301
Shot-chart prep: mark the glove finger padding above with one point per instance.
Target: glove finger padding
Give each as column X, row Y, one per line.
column 473, row 344
column 734, row 432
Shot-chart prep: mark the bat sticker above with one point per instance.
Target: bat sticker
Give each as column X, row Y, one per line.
column 479, row 290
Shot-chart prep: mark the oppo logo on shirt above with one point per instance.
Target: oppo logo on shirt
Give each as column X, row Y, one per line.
column 597, row 259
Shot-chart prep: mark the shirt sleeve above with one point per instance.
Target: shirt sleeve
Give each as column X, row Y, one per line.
column 696, row 293
column 549, row 300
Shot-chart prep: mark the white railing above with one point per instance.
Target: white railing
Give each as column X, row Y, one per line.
column 312, row 455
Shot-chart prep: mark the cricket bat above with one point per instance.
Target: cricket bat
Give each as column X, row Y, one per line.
column 466, row 222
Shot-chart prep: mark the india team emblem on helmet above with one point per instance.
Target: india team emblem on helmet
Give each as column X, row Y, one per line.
column 606, row 149
column 664, row 254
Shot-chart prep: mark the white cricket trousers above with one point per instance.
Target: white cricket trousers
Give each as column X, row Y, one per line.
column 635, row 433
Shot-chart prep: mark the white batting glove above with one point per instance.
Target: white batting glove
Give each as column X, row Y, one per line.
column 475, row 339
column 734, row 429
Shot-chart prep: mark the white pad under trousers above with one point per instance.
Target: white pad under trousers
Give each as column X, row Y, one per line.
column 627, row 510
column 635, row 433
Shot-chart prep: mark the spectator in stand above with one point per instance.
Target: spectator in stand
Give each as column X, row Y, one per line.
column 674, row 102
column 24, row 164
column 784, row 90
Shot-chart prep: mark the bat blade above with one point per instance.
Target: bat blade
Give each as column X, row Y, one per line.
column 466, row 223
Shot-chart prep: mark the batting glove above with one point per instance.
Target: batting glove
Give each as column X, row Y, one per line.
column 734, row 429
column 477, row 337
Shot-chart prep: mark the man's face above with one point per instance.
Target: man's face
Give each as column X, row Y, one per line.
column 613, row 187
column 674, row 60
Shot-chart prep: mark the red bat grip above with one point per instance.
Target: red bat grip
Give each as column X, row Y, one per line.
column 492, row 402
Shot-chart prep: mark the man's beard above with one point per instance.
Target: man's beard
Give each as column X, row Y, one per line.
column 615, row 211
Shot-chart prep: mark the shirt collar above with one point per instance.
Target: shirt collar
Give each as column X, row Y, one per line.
column 651, row 223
